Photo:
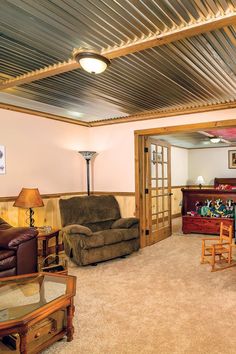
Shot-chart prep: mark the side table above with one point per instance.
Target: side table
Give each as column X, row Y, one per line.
column 45, row 237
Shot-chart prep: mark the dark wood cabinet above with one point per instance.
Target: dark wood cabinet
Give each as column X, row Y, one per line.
column 204, row 225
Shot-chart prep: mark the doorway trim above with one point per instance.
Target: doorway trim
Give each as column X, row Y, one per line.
column 139, row 143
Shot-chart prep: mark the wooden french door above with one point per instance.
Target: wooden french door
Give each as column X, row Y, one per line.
column 157, row 190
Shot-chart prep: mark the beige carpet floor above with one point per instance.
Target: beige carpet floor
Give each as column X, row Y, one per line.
column 159, row 300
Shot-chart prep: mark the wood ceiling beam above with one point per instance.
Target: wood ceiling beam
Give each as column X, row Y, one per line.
column 133, row 47
column 40, row 74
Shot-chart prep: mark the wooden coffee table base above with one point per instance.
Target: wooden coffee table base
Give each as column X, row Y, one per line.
column 41, row 327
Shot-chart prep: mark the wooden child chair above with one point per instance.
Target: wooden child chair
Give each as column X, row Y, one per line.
column 221, row 249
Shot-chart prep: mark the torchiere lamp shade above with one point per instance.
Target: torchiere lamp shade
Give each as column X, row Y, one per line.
column 29, row 198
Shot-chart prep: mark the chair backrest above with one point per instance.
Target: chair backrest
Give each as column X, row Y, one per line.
column 96, row 212
column 226, row 233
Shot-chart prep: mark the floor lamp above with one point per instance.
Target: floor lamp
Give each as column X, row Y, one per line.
column 88, row 155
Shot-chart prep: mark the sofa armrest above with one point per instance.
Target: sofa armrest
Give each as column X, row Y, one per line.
column 125, row 223
column 12, row 237
column 77, row 229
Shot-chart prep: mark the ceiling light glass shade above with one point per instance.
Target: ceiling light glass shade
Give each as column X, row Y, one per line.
column 93, row 66
column 92, row 62
column 215, row 140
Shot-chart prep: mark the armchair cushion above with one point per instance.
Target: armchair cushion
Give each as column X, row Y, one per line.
column 108, row 237
column 125, row 223
column 6, row 254
column 12, row 237
column 4, row 225
column 86, row 210
column 7, row 260
column 77, row 229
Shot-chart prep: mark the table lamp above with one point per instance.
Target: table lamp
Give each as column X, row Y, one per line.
column 29, row 198
column 200, row 181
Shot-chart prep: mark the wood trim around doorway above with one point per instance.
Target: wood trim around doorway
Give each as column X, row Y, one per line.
column 139, row 138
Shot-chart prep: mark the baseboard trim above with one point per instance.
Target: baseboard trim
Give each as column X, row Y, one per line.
column 175, row 216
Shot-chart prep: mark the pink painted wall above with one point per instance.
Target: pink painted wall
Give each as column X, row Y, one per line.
column 114, row 164
column 41, row 153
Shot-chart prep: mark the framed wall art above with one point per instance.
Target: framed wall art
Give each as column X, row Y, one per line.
column 232, row 158
column 2, row 160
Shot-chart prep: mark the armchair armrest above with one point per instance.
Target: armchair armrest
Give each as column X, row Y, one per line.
column 77, row 229
column 215, row 245
column 12, row 237
column 210, row 239
column 125, row 223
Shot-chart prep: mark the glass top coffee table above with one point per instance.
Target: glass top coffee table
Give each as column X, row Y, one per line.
column 35, row 311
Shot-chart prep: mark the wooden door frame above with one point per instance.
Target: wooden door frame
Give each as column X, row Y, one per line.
column 139, row 143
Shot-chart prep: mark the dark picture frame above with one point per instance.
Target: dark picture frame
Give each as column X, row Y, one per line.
column 232, row 159
column 2, row 160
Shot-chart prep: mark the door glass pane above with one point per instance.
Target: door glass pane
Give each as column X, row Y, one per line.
column 153, row 192
column 153, row 155
column 159, row 170
column 161, row 219
column 165, row 170
column 154, row 205
column 166, row 203
column 166, row 219
column 153, row 170
column 165, row 156
column 160, row 204
column 159, row 153
column 154, row 183
column 165, row 182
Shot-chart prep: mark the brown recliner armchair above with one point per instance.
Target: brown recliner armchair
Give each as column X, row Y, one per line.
column 93, row 230
column 18, row 250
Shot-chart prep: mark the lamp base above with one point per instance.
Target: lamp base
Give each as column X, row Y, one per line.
column 30, row 217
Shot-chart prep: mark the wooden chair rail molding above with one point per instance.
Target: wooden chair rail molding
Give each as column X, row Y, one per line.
column 58, row 195
column 50, row 214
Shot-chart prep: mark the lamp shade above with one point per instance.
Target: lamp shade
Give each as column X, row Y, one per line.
column 87, row 154
column 200, row 180
column 29, row 198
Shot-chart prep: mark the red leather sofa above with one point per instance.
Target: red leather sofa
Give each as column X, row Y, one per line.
column 18, row 250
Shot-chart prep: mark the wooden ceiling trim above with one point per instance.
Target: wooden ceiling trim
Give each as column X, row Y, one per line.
column 127, row 119
column 157, row 115
column 133, row 47
column 185, row 128
column 43, row 114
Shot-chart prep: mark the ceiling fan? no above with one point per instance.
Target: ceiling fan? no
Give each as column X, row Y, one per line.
column 214, row 138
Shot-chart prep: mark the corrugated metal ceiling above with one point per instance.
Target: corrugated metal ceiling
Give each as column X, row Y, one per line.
column 192, row 72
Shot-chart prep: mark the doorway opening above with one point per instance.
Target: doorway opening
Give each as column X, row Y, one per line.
column 153, row 187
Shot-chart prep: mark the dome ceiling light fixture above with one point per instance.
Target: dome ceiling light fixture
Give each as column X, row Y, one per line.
column 91, row 61
column 215, row 140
